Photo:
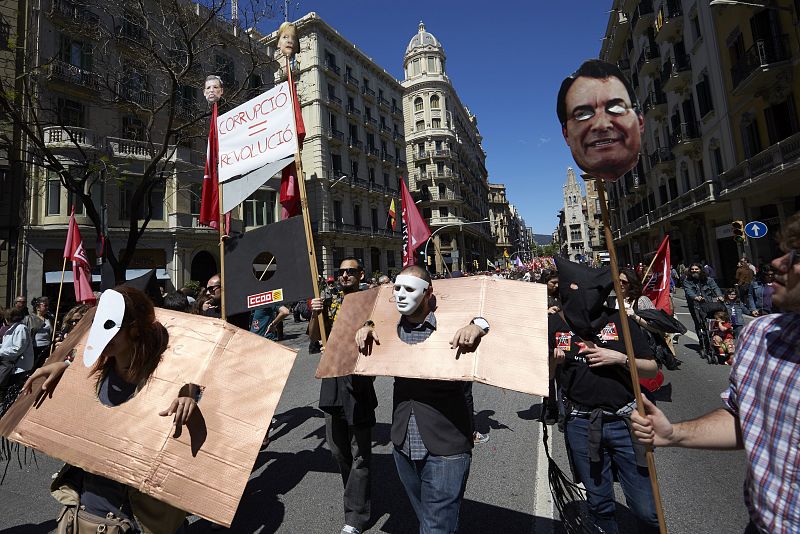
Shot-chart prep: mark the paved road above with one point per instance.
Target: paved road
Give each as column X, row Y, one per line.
column 295, row 487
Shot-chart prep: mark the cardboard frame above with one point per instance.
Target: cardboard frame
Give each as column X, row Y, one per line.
column 513, row 355
column 242, row 376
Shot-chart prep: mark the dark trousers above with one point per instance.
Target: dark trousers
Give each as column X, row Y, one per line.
column 435, row 486
column 351, row 447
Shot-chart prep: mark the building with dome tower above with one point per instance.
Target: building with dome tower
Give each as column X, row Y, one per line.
column 446, row 162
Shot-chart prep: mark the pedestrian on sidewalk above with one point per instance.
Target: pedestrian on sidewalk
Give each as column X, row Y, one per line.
column 349, row 404
column 759, row 298
column 700, row 289
column 744, row 277
column 760, row 405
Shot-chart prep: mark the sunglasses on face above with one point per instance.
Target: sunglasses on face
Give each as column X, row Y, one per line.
column 210, row 289
column 350, row 271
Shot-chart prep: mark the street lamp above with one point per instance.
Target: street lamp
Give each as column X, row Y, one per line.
column 425, row 250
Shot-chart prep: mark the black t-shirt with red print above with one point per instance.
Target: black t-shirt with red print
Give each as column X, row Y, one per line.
column 608, row 386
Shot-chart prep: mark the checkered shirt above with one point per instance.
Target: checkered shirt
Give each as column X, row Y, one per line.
column 764, row 393
column 413, row 446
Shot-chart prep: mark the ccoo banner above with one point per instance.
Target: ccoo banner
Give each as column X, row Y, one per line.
column 259, row 132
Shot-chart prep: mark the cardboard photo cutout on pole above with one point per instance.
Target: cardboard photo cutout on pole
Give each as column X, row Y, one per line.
column 289, row 274
column 259, row 135
column 509, row 356
column 203, row 471
column 601, row 120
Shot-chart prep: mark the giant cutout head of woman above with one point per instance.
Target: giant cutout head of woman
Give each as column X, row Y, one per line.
column 288, row 41
column 601, row 120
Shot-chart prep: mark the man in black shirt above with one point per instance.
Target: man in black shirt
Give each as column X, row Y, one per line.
column 586, row 342
column 432, row 421
column 349, row 404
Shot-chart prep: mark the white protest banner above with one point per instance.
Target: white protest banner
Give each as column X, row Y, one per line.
column 259, row 132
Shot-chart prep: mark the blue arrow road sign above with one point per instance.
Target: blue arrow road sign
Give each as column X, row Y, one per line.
column 755, row 229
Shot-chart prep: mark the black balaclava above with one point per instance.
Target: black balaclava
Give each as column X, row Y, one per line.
column 584, row 307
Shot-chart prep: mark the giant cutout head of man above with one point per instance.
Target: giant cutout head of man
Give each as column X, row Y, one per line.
column 601, row 120
column 213, row 88
column 412, row 290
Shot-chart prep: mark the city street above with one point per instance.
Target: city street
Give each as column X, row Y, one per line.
column 295, row 487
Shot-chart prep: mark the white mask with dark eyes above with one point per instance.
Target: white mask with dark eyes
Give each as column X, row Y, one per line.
column 408, row 293
column 107, row 322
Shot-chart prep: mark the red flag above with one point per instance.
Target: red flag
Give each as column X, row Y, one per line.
column 290, row 190
column 209, row 200
column 81, row 272
column 656, row 286
column 415, row 230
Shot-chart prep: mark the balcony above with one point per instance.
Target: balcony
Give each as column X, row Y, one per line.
column 446, row 175
column 662, row 159
column 334, row 174
column 130, row 148
column 688, row 139
column 355, row 144
column 134, row 95
column 368, row 93
column 334, row 101
column 647, row 64
column 336, row 227
column 642, row 17
column 333, row 135
column 353, row 111
column 679, row 74
column 71, row 137
column 382, row 102
column 386, row 157
column 372, row 152
column 401, row 163
column 370, row 123
column 62, row 71
column 397, row 111
column 655, row 105
column 331, row 68
column 351, row 81
column 669, row 22
column 763, row 64
column 420, row 155
column 774, row 160
column 443, row 153
column 75, row 14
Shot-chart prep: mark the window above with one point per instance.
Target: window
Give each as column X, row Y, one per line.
column 76, row 53
column 435, row 102
column 418, row 104
column 444, row 212
column 354, row 169
column 259, row 208
column 5, row 33
column 374, row 218
column 750, row 136
column 337, row 212
column 70, row 112
column 419, row 125
column 371, row 175
column 716, row 155
column 442, row 191
column 53, row 200
column 331, row 90
column 225, row 70
column 133, row 128
column 338, row 256
column 436, row 123
column 415, row 67
column 330, row 59
column 195, row 194
column 156, row 202
column 704, row 99
column 426, row 213
column 431, row 64
column 687, row 181
column 336, row 163
column 390, row 259
column 696, row 33
column 781, row 120
column 332, row 121
column 367, row 112
column 356, row 214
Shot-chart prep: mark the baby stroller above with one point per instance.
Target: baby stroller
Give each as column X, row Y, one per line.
column 705, row 315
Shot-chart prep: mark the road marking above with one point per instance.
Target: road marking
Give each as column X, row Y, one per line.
column 682, row 313
column 691, row 335
column 543, row 499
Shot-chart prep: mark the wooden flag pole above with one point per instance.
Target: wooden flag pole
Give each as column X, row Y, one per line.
column 222, row 238
column 626, row 335
column 58, row 303
column 301, row 183
column 650, row 267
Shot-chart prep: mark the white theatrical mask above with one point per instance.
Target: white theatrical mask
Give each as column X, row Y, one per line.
column 408, row 292
column 107, row 322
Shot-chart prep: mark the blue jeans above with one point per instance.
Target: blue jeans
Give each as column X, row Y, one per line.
column 435, row 487
column 616, row 456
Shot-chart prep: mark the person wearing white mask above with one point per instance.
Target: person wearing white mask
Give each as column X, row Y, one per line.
column 432, row 421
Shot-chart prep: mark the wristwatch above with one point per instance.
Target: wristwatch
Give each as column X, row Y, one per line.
column 482, row 323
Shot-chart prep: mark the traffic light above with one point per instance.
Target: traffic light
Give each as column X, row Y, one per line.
column 738, row 231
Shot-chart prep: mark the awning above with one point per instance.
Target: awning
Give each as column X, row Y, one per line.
column 54, row 277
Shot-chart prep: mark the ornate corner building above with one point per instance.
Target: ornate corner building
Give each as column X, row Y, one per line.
column 447, row 164
column 718, row 87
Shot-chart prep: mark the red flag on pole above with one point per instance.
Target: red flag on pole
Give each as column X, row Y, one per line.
column 656, row 286
column 290, row 191
column 209, row 200
column 81, row 272
column 415, row 230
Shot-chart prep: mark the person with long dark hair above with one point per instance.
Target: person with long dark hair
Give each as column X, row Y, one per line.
column 124, row 367
column 700, row 289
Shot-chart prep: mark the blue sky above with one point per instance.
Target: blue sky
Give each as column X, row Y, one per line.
column 506, row 60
